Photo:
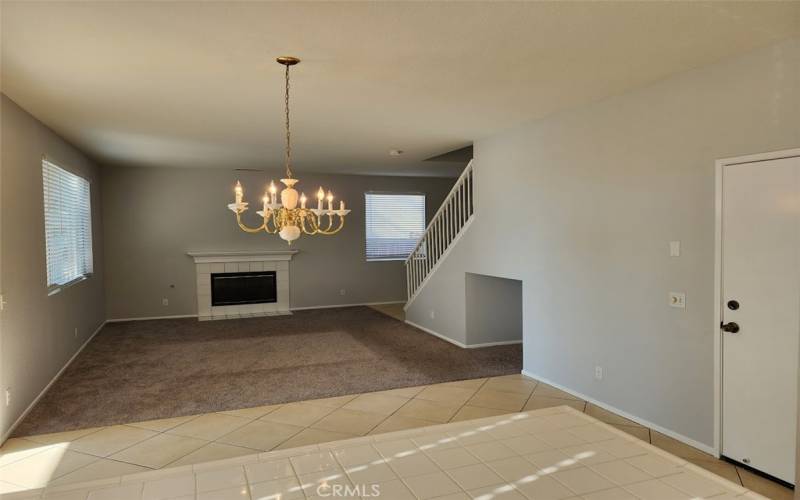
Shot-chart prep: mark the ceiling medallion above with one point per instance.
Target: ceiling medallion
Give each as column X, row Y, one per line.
column 284, row 218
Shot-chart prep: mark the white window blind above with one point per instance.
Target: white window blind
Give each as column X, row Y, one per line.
column 394, row 224
column 67, row 225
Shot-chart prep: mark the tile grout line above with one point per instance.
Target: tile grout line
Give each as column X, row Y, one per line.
column 391, row 414
column 166, row 431
column 459, row 485
column 483, row 385
column 157, row 433
column 738, row 475
column 208, row 442
column 462, row 405
column 530, row 396
column 465, row 402
column 246, row 483
column 217, row 440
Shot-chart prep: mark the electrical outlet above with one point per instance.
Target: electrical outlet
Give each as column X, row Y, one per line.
column 674, row 248
column 598, row 372
column 8, row 396
column 433, row 314
column 165, row 301
column 342, row 291
column 677, row 299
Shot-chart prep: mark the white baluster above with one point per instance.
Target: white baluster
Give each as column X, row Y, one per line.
column 468, row 182
column 459, row 210
column 438, row 240
column 446, row 217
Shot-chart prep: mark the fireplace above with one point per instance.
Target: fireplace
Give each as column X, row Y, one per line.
column 257, row 287
column 233, row 285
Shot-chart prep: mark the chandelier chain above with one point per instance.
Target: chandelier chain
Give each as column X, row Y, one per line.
column 288, row 132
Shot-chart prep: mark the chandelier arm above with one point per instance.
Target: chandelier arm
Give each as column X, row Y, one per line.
column 304, row 220
column 248, row 229
column 316, row 224
column 330, row 222
column 301, row 223
column 329, row 231
column 267, row 218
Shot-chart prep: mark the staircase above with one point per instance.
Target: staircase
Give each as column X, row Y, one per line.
column 445, row 228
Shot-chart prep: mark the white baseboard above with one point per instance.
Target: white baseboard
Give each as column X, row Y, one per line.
column 680, row 437
column 50, row 384
column 146, row 318
column 459, row 344
column 334, row 306
column 492, row 344
column 437, row 334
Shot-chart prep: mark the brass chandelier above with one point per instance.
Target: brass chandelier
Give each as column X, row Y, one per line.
column 285, row 219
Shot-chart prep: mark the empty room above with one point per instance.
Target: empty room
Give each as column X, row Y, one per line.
column 403, row 250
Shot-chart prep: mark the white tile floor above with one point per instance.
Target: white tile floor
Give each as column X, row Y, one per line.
column 552, row 453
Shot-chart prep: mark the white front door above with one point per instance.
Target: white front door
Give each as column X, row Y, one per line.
column 761, row 295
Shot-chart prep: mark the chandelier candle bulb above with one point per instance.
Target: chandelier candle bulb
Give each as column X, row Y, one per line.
column 330, row 201
column 302, row 200
column 320, row 197
column 239, row 192
column 272, row 191
column 341, row 205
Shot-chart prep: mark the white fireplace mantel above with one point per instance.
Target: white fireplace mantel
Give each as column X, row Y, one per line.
column 241, row 256
column 208, row 263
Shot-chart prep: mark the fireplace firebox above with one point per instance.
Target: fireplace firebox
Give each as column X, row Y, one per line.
column 257, row 287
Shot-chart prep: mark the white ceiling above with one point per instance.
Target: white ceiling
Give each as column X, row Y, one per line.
column 194, row 84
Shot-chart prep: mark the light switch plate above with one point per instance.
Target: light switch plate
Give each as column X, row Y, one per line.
column 677, row 299
column 674, row 248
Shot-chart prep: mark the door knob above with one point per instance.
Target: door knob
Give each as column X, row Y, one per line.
column 730, row 327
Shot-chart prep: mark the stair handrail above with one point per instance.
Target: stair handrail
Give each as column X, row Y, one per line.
column 456, row 185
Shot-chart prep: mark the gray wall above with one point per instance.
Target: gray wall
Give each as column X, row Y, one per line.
column 493, row 309
column 581, row 207
column 38, row 331
column 155, row 215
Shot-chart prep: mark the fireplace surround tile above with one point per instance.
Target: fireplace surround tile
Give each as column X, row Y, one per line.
column 208, row 263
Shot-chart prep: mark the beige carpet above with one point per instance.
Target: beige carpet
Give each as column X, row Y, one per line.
column 145, row 370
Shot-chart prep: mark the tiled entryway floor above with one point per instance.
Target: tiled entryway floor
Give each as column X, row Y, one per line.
column 553, row 453
column 100, row 453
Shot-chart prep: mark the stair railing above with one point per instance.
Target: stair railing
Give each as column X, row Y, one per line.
column 443, row 229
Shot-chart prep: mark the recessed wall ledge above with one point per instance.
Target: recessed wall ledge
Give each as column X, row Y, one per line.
column 209, row 257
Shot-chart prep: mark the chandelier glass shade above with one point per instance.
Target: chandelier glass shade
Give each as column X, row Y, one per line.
column 283, row 216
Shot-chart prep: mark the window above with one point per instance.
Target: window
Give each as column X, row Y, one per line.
column 394, row 224
column 67, row 226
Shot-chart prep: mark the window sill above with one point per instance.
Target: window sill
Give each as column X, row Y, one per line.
column 54, row 289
